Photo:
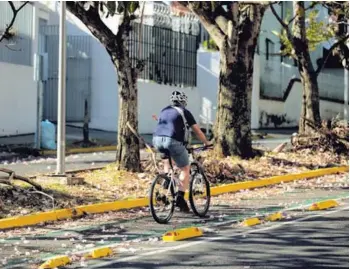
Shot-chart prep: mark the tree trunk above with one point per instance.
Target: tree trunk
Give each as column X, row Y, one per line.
column 128, row 151
column 233, row 118
column 128, row 148
column 232, row 128
column 310, row 111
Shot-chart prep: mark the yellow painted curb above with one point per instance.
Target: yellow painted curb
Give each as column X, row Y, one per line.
column 275, row 180
column 181, row 234
column 40, row 217
column 55, row 262
column 99, row 253
column 274, row 217
column 323, row 205
column 251, row 222
column 54, row 215
column 81, row 150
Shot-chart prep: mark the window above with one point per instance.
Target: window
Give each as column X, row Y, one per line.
column 269, row 48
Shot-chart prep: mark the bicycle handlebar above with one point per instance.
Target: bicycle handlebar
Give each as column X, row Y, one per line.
column 191, row 149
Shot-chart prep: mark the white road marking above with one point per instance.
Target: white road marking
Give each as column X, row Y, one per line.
column 211, row 239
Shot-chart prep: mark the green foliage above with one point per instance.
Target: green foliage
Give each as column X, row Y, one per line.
column 317, row 32
column 210, row 45
column 111, row 8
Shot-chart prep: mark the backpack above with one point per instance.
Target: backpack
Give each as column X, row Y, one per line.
column 186, row 129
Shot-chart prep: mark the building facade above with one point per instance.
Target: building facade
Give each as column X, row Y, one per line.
column 172, row 47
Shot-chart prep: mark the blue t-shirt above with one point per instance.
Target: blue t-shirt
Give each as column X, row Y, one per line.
column 171, row 124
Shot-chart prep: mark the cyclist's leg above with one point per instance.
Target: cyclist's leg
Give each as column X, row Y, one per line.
column 159, row 143
column 166, row 163
column 185, row 178
column 180, row 156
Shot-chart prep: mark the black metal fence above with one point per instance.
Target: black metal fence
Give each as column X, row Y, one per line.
column 170, row 57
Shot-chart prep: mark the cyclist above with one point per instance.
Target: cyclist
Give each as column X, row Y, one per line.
column 171, row 137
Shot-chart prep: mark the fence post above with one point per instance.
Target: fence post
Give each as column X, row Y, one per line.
column 86, row 123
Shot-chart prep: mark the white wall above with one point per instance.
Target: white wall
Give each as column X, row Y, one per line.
column 18, row 99
column 207, row 84
column 153, row 97
column 208, row 68
column 18, row 91
column 202, row 100
column 330, row 110
column 104, row 87
column 292, row 108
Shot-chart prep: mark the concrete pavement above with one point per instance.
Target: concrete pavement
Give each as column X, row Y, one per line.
column 47, row 165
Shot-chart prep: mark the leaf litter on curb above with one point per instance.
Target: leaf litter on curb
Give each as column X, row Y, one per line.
column 110, row 184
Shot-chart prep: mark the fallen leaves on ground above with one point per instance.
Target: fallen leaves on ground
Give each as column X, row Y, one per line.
column 110, row 184
column 331, row 136
column 270, row 164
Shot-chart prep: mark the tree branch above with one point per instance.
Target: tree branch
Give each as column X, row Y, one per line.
column 221, row 19
column 93, row 22
column 209, row 24
column 284, row 25
column 320, row 67
column 308, row 8
column 232, row 29
column 15, row 11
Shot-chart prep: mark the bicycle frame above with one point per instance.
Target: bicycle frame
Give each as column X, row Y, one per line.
column 175, row 181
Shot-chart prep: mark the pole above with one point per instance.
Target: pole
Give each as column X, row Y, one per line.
column 40, row 97
column 41, row 109
column 61, row 113
column 37, row 80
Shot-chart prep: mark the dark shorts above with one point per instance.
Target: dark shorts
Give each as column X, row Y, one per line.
column 176, row 149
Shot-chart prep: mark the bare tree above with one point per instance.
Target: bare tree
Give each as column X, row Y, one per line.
column 91, row 14
column 7, row 34
column 339, row 11
column 234, row 27
column 296, row 37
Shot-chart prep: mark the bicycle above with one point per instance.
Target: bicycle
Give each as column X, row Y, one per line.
column 169, row 185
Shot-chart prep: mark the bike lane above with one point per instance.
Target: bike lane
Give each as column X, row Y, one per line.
column 137, row 227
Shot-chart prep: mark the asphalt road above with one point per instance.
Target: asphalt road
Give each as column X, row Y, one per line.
column 311, row 241
column 303, row 238
column 47, row 165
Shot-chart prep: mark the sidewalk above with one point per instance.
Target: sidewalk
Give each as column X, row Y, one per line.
column 73, row 134
column 30, row 166
column 100, row 137
column 47, row 165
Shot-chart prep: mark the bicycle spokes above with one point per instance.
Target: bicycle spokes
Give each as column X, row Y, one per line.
column 199, row 192
column 162, row 199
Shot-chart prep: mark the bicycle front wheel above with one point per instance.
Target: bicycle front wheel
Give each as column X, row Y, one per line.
column 162, row 199
column 199, row 191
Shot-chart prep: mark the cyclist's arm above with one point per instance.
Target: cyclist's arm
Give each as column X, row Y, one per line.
column 195, row 127
column 201, row 136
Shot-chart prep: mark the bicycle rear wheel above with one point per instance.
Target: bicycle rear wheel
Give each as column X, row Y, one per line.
column 162, row 199
column 199, row 191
